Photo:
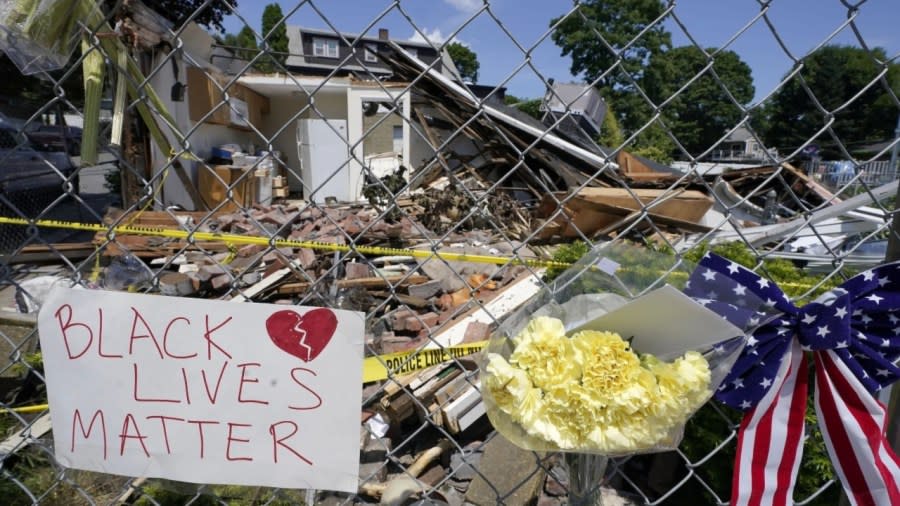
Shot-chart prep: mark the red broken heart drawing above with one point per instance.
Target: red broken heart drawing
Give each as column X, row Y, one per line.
column 302, row 335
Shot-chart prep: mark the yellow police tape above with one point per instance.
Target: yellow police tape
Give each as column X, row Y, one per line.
column 291, row 243
column 28, row 409
column 402, row 363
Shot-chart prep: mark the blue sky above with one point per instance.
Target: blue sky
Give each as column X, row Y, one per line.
column 801, row 24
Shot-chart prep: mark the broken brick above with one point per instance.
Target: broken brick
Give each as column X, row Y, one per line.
column 250, row 250
column 220, row 282
column 398, row 319
column 306, row 229
column 357, row 270
column 306, row 257
column 416, row 323
column 351, row 226
column 209, row 271
column 391, row 343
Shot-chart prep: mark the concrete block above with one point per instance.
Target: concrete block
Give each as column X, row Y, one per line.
column 509, row 475
column 375, row 449
column 176, row 284
column 425, row 290
column 372, row 472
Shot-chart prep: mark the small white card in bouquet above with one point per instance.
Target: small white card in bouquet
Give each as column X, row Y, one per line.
column 665, row 322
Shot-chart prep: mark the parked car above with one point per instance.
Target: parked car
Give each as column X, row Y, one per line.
column 27, row 171
column 56, row 138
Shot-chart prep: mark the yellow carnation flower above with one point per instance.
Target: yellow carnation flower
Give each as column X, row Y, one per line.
column 540, row 328
column 546, row 353
column 509, row 386
column 610, row 370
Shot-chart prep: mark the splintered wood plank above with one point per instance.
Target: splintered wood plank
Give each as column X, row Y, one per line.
column 26, row 436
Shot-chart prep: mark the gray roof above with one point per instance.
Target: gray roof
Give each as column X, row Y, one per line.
column 576, row 97
column 296, row 58
column 741, row 134
column 352, row 36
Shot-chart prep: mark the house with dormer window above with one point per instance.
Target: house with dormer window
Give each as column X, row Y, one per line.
column 322, row 52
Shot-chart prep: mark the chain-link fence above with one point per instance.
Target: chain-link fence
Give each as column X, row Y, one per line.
column 361, row 125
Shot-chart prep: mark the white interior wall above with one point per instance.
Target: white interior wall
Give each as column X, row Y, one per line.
column 196, row 46
column 355, row 99
column 284, row 109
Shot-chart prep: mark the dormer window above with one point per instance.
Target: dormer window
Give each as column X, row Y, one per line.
column 325, row 48
column 370, row 52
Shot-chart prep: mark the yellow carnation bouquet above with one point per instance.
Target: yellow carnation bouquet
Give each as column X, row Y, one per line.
column 592, row 392
column 610, row 359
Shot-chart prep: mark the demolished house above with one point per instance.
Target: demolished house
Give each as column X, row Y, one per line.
column 478, row 179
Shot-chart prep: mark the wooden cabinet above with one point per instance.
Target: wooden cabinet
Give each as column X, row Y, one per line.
column 245, row 106
column 243, row 187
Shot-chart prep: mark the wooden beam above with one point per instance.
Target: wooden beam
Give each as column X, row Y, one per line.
column 26, row 436
column 373, row 282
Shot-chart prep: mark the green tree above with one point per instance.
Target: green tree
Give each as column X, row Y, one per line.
column 465, row 59
column 530, row 106
column 274, row 31
column 245, row 39
column 704, row 111
column 610, row 133
column 653, row 143
column 599, row 33
column 835, row 75
column 178, row 12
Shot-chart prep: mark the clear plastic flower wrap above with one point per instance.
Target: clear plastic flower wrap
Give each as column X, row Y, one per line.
column 40, row 35
column 611, row 358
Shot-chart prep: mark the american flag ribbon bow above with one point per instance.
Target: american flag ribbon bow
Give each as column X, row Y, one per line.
column 853, row 334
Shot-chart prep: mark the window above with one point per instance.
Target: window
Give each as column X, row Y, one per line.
column 370, row 52
column 398, row 139
column 326, row 48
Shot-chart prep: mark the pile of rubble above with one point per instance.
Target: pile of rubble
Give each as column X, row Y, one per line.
column 424, row 426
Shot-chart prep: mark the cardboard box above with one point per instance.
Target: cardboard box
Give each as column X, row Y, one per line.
column 215, row 191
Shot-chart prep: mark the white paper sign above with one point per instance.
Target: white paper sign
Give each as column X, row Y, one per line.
column 204, row 391
column 665, row 322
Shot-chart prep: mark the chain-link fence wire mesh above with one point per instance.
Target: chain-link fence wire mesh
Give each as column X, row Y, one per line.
column 414, row 156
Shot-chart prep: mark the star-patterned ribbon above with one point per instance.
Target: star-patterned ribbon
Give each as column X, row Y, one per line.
column 854, row 334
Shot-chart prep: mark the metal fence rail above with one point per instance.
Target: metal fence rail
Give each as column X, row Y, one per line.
column 843, row 174
column 413, row 155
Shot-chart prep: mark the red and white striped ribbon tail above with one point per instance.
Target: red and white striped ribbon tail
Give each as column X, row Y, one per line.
column 853, row 425
column 770, row 440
